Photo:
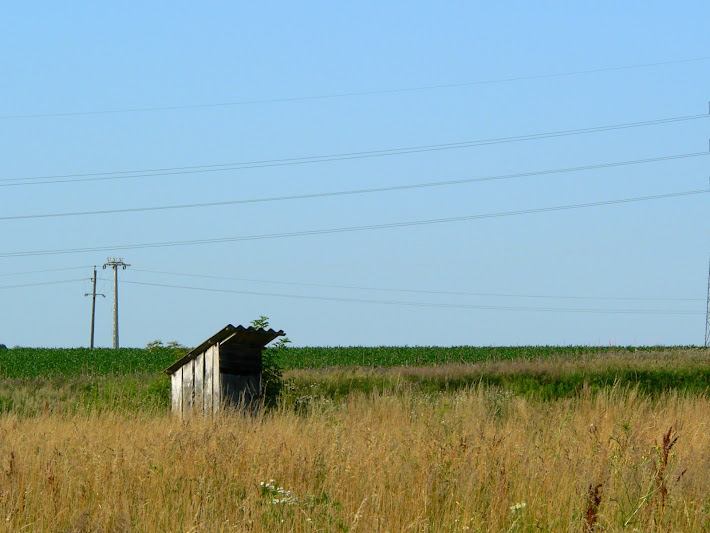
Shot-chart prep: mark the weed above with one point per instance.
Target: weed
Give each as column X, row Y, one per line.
column 594, row 499
column 661, row 467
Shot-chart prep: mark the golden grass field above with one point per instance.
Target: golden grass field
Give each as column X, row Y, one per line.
column 474, row 460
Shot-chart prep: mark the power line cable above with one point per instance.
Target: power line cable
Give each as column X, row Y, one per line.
column 419, row 291
column 428, row 304
column 349, row 229
column 44, row 271
column 352, row 93
column 169, row 171
column 41, row 283
column 355, row 191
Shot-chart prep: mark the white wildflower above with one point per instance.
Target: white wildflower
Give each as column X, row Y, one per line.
column 279, row 496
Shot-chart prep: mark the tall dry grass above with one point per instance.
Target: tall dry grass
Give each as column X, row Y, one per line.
column 477, row 460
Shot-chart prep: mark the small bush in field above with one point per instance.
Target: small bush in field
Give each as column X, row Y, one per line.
column 272, row 381
column 178, row 350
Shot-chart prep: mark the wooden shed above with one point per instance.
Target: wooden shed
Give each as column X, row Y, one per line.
column 223, row 370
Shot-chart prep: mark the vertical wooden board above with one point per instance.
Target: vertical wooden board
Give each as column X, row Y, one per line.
column 199, row 382
column 176, row 391
column 216, row 381
column 209, row 373
column 188, row 387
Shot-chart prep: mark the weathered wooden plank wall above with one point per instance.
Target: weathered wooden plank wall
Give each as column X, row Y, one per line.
column 176, row 391
column 196, row 386
column 188, row 388
column 199, row 382
column 209, row 372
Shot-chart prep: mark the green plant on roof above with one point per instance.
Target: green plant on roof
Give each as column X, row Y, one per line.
column 260, row 323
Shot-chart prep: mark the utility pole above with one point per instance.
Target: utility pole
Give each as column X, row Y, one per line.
column 115, row 263
column 707, row 313
column 93, row 308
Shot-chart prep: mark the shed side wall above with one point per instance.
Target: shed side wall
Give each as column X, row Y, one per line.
column 207, row 388
column 199, row 382
column 188, row 388
column 176, row 391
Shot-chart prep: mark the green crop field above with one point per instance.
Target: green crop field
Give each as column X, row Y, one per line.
column 391, row 356
column 70, row 362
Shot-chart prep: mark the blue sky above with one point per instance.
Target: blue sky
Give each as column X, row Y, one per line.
column 633, row 273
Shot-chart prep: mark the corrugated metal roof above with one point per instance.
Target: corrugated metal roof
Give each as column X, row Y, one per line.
column 227, row 335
